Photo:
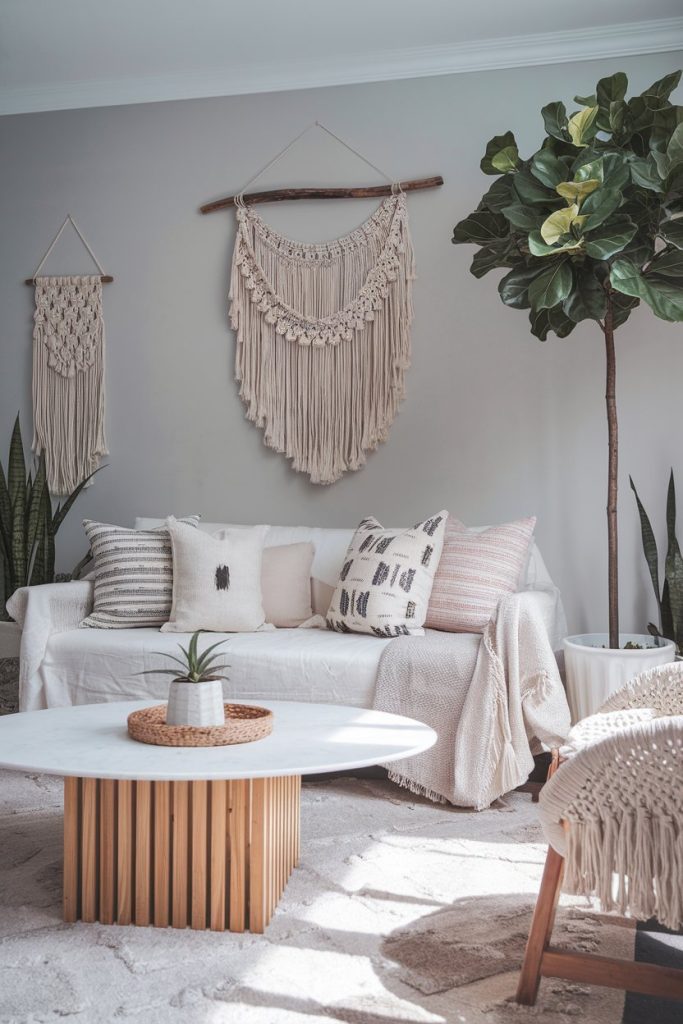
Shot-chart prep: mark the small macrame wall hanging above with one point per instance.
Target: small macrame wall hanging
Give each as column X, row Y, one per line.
column 323, row 329
column 68, row 372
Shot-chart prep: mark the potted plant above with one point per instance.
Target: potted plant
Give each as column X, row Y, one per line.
column 587, row 228
column 670, row 601
column 28, row 527
column 195, row 696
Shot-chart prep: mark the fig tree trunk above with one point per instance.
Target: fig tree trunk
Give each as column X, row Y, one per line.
column 612, row 471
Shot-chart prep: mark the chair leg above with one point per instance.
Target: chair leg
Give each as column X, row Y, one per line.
column 541, row 928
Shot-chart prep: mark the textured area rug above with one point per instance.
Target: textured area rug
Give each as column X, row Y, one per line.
column 401, row 911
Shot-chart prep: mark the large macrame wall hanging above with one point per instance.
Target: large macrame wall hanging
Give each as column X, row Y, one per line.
column 68, row 373
column 323, row 332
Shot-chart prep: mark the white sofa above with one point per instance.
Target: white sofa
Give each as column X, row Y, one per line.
column 63, row 665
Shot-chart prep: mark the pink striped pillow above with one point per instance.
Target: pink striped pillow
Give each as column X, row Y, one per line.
column 476, row 569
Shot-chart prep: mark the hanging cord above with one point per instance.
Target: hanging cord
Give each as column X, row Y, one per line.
column 54, row 241
column 239, row 198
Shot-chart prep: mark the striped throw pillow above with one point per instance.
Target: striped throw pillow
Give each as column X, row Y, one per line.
column 133, row 575
column 477, row 568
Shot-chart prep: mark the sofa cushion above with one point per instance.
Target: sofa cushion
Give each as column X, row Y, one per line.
column 286, row 584
column 477, row 568
column 133, row 575
column 386, row 579
column 216, row 579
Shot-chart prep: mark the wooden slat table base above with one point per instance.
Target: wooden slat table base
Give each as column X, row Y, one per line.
column 196, row 855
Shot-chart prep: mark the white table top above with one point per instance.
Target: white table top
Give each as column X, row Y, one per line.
column 92, row 740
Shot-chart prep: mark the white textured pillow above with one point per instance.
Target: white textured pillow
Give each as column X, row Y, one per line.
column 133, row 575
column 387, row 577
column 216, row 580
column 286, row 584
column 477, row 568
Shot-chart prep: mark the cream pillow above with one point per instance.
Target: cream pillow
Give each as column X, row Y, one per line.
column 286, row 584
column 386, row 579
column 477, row 568
column 216, row 579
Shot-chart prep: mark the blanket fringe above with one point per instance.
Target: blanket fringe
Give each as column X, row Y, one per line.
column 416, row 787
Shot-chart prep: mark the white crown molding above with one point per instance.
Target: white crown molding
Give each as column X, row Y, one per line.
column 605, row 42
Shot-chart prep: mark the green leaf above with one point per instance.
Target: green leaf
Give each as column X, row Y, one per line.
column 501, row 155
column 34, row 524
column 537, row 247
column 600, row 205
column 622, row 307
column 673, row 568
column 649, row 546
column 499, row 195
column 17, row 493
column 663, row 87
column 587, row 299
column 610, row 90
column 204, row 657
column 616, row 172
column 555, row 120
column 63, row 510
column 645, row 174
column 483, row 261
column 528, row 189
column 581, row 126
column 586, row 101
column 672, row 232
column 551, row 286
column 560, row 223
column 544, row 320
column 609, row 239
column 666, row 302
column 668, row 263
column 526, row 218
column 589, row 169
column 513, row 288
column 548, row 168
column 481, row 228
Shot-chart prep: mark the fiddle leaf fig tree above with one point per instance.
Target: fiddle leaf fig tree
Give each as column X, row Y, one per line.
column 589, row 227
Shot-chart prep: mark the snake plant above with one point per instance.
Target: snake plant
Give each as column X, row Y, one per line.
column 670, row 601
column 28, row 522
column 589, row 227
column 196, row 667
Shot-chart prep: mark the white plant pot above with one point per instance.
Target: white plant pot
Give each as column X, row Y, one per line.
column 595, row 671
column 10, row 640
column 195, row 703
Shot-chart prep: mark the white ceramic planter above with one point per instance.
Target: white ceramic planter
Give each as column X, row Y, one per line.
column 10, row 640
column 595, row 671
column 195, row 703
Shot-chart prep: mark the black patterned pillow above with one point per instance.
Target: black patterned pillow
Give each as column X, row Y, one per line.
column 133, row 575
column 386, row 580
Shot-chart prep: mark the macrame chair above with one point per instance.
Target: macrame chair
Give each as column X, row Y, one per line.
column 613, row 806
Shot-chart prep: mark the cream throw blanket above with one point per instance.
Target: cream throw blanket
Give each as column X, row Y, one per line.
column 489, row 715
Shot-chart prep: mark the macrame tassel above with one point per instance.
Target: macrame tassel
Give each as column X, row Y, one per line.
column 323, row 337
column 68, row 379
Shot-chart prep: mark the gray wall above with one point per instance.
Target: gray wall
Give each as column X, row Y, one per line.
column 495, row 425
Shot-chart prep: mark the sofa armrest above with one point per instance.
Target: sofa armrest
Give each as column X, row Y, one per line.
column 41, row 611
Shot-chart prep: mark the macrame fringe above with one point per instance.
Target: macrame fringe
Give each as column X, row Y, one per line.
column 599, row 853
column 68, row 379
column 323, row 337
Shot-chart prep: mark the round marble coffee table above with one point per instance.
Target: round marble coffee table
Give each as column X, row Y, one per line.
column 202, row 837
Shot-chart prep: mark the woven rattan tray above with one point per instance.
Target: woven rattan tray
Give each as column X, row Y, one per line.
column 243, row 724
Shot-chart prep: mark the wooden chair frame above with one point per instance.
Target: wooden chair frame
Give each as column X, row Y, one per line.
column 541, row 960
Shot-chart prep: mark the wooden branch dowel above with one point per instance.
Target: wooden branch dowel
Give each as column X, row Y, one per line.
column 104, row 278
column 280, row 195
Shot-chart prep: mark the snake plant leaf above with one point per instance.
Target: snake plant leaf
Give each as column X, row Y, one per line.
column 551, row 286
column 581, row 126
column 501, row 155
column 548, row 168
column 649, row 544
column 514, row 287
column 610, row 239
column 525, row 218
column 666, row 301
column 35, row 508
column 672, row 232
column 555, row 120
column 63, row 510
column 16, row 478
column 576, row 191
column 482, row 228
column 587, row 299
column 673, row 567
column 5, row 516
column 663, row 87
column 600, row 205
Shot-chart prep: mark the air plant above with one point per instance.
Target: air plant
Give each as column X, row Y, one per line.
column 197, row 668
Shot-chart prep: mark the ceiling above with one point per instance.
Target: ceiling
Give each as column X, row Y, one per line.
column 57, row 54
